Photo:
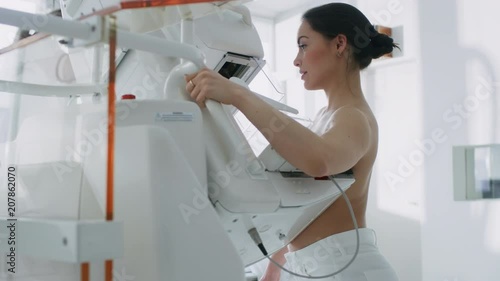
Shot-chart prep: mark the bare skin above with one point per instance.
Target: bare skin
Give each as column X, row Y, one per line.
column 336, row 218
column 350, row 142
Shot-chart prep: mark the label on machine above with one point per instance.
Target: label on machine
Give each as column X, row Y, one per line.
column 173, row 116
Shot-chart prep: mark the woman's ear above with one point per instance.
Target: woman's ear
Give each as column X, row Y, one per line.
column 339, row 44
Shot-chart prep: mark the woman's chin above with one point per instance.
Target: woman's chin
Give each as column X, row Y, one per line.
column 310, row 87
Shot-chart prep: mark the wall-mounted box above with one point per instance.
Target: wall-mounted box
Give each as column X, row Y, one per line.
column 397, row 34
column 476, row 172
column 398, row 56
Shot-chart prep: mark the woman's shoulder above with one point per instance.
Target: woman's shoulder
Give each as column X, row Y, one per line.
column 362, row 111
column 325, row 118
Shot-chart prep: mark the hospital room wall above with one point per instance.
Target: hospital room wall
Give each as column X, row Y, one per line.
column 460, row 83
column 394, row 212
column 442, row 92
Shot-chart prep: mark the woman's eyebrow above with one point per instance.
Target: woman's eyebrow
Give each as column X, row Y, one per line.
column 298, row 39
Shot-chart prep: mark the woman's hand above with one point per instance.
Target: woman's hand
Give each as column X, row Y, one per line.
column 208, row 84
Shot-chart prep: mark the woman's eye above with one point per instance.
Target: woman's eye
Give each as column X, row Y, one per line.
column 302, row 46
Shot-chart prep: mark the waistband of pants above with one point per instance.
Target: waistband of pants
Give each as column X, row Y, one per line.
column 344, row 243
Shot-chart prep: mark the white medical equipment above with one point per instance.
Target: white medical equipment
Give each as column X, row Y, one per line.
column 188, row 185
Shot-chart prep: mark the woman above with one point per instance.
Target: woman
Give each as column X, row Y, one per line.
column 335, row 42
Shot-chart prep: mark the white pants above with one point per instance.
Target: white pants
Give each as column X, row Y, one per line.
column 334, row 252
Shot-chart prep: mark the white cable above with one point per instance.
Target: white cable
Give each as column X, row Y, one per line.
column 357, row 242
column 268, row 79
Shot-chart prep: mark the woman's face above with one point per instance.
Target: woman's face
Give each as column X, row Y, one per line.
column 316, row 58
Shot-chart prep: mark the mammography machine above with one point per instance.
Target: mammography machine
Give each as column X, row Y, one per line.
column 190, row 198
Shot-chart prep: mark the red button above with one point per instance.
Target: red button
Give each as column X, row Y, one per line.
column 128, row 97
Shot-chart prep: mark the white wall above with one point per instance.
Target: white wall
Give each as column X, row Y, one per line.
column 443, row 92
column 392, row 90
column 460, row 68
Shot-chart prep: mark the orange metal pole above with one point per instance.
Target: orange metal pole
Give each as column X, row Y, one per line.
column 111, row 135
column 133, row 4
column 85, row 272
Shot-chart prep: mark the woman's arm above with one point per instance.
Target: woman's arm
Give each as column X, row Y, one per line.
column 273, row 273
column 334, row 152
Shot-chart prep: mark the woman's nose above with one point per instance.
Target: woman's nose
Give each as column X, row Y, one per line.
column 296, row 61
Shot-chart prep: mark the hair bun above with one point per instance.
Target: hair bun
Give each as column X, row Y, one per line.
column 381, row 44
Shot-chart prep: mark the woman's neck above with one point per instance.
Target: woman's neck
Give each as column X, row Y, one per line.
column 345, row 91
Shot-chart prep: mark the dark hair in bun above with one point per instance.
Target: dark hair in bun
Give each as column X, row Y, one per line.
column 338, row 18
